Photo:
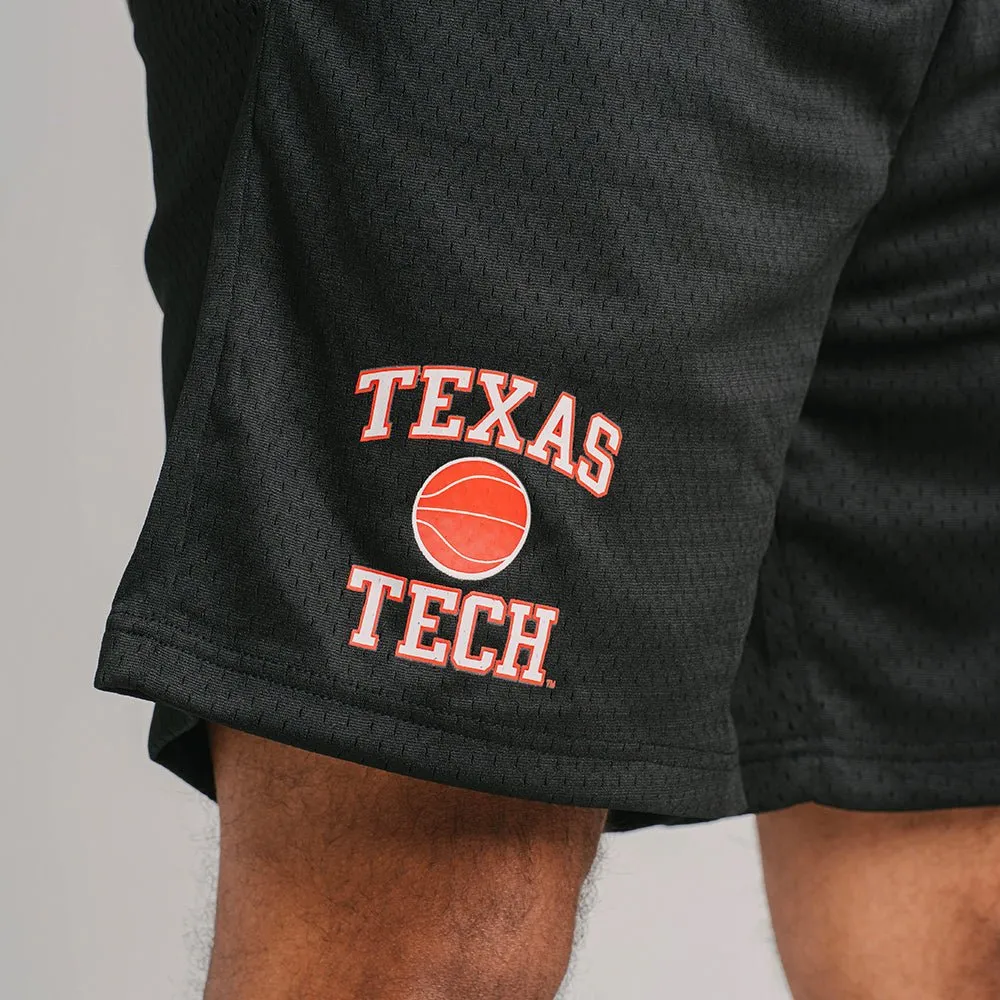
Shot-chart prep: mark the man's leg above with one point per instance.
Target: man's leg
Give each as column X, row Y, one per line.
column 341, row 881
column 885, row 906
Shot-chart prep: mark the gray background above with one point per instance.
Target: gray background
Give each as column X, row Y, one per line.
column 107, row 861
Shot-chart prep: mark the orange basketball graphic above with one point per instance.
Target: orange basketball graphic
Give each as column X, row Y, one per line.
column 471, row 517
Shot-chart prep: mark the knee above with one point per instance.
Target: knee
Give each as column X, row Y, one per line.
column 354, row 881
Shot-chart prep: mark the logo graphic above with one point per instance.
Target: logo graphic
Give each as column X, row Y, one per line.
column 471, row 517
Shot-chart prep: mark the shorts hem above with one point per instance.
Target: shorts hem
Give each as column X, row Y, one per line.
column 136, row 659
column 875, row 779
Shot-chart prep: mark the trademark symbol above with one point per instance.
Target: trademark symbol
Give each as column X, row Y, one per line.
column 550, row 684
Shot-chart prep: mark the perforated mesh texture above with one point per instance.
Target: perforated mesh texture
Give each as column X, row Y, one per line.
column 761, row 237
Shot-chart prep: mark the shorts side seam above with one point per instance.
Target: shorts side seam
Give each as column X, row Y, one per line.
column 219, row 253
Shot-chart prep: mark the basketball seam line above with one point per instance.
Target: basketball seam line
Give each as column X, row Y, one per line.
column 466, row 479
column 458, row 552
column 470, row 513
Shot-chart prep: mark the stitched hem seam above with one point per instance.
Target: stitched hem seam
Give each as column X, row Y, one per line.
column 771, row 752
column 148, row 629
column 751, row 753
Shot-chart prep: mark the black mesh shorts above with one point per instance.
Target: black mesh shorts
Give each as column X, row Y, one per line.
column 589, row 402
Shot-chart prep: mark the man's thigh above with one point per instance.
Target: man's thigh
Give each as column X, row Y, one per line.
column 885, row 905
